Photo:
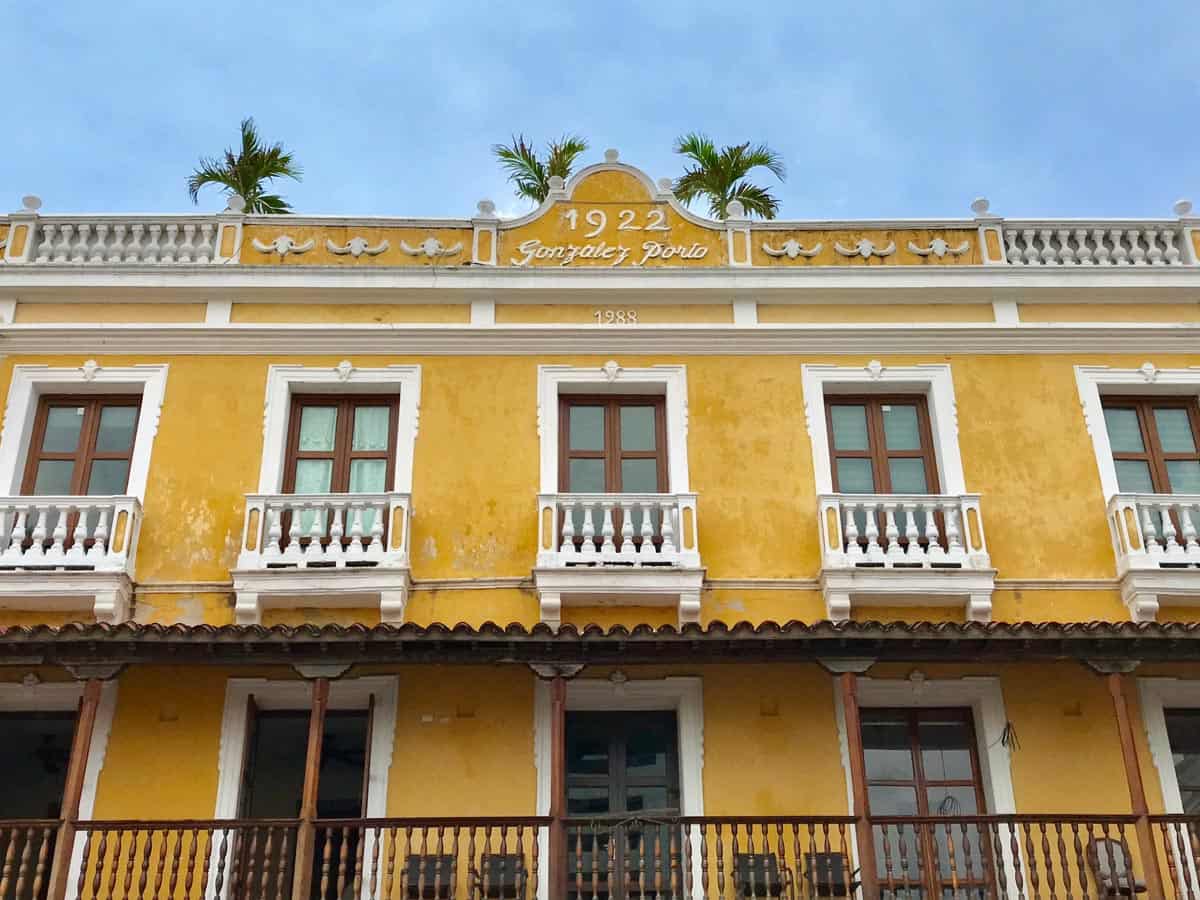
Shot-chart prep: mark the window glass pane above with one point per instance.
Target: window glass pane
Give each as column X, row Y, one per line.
column 116, row 429
column 908, row 476
column 639, row 476
column 890, row 800
column 647, row 797
column 33, row 756
column 1183, row 734
column 370, row 428
column 887, row 748
column 901, row 430
column 313, row 476
column 637, row 428
column 951, row 801
column 645, row 754
column 108, row 477
column 855, row 476
column 318, row 425
column 62, row 429
column 1124, row 432
column 586, row 427
column 586, row 801
column 1184, row 475
column 587, row 755
column 945, row 750
column 1133, row 476
column 368, row 476
column 585, row 476
column 849, row 427
column 1175, row 430
column 53, row 477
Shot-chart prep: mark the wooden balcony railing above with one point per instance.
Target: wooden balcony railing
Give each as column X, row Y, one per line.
column 26, row 851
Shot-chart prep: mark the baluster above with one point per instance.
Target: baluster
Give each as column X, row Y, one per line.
column 59, row 537
column 264, row 877
column 934, row 865
column 271, row 549
column 1013, row 253
column 204, row 248
column 614, row 835
column 187, row 247
column 889, row 877
column 133, row 250
column 955, row 552
column 1063, row 863
column 131, row 861
column 1155, row 254
column 378, row 511
column 902, row 847
column 568, row 529
column 117, row 246
column 852, row 547
column 1066, row 254
column 421, row 868
column 891, row 534
column 1032, row 257
column 37, row 549
column 874, row 551
column 160, row 865
column 169, row 244
column 389, row 868
column 1047, row 861
column 578, row 862
column 1083, row 255
column 647, row 548
column 75, row 552
column 26, row 853
column 628, row 549
column 1168, row 531
column 316, row 531
column 282, row 886
column 589, row 528
column 912, row 535
column 99, row 548
column 354, row 516
column 16, row 545
column 209, row 837
column 1137, row 254
column 720, row 861
column 98, row 248
column 1120, row 254
column 667, row 529
column 1014, row 847
column 533, row 853
column 1189, row 514
column 703, row 862
column 79, row 251
column 1035, row 882
column 1171, row 254
column 658, row 868
column 1049, row 253
column 607, row 547
column 404, row 886
column 1150, row 532
column 323, row 835
column 997, row 852
column 115, row 871
column 781, row 848
column 154, row 248
column 595, row 835
column 333, row 552
column 63, row 249
column 1081, row 865
column 85, row 861
column 46, row 246
column 294, row 553
column 1103, row 251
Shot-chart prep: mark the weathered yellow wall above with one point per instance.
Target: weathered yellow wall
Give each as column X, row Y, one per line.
column 341, row 313
column 1109, row 312
column 580, row 314
column 778, row 313
column 108, row 312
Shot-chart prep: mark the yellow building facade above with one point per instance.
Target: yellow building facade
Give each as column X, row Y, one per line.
column 606, row 552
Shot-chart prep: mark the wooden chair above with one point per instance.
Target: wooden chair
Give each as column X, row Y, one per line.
column 430, row 877
column 1109, row 861
column 827, row 875
column 500, row 875
column 761, row 875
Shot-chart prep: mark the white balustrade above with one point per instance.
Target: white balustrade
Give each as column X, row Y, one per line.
column 118, row 241
column 617, row 530
column 289, row 531
column 1155, row 531
column 893, row 531
column 97, row 534
column 1093, row 244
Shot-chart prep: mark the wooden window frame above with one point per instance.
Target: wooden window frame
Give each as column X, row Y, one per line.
column 612, row 454
column 1153, row 454
column 877, row 451
column 85, row 453
column 342, row 454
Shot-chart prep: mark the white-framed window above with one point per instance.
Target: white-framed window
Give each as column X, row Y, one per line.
column 286, row 381
column 32, row 382
column 1097, row 382
column 932, row 381
column 1160, row 698
column 668, row 381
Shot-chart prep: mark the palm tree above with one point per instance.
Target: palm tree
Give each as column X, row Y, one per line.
column 720, row 175
column 530, row 174
column 246, row 172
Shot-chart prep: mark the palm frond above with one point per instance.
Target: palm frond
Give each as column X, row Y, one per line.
column 526, row 172
column 246, row 171
column 561, row 154
column 756, row 200
column 720, row 175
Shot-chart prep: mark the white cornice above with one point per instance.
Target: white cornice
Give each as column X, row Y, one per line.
column 543, row 340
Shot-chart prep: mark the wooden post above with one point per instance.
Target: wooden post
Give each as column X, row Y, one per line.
column 306, row 832
column 867, row 873
column 81, row 742
column 1137, row 790
column 558, row 787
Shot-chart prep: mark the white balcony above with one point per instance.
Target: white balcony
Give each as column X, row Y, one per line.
column 323, row 550
column 904, row 550
column 69, row 553
column 1158, row 554
column 618, row 550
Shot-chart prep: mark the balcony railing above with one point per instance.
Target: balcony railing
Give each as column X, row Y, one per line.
column 617, row 530
column 97, row 534
column 125, row 240
column 902, row 531
column 289, row 531
column 1155, row 531
column 1093, row 244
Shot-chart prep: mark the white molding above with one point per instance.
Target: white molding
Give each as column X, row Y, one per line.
column 684, row 695
column 618, row 586
column 29, row 382
column 933, row 381
column 1154, row 696
column 218, row 312
column 106, row 595
column 984, row 696
column 285, row 380
column 970, row 589
column 612, row 378
column 1094, row 382
column 348, row 587
column 347, row 693
column 65, row 696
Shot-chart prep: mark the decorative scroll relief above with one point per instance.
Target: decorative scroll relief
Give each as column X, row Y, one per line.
column 283, row 245
column 431, row 248
column 939, row 248
column 791, row 249
column 866, row 248
column 356, row 247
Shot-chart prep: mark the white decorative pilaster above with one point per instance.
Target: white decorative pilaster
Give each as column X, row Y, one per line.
column 979, row 608
column 485, row 234
column 229, row 231
column 689, row 608
column 737, row 234
column 837, row 606
column 113, row 606
column 392, row 606
column 551, row 609
column 246, row 609
column 22, row 231
column 988, row 224
column 1187, row 226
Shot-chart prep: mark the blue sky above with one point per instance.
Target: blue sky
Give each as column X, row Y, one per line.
column 879, row 109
